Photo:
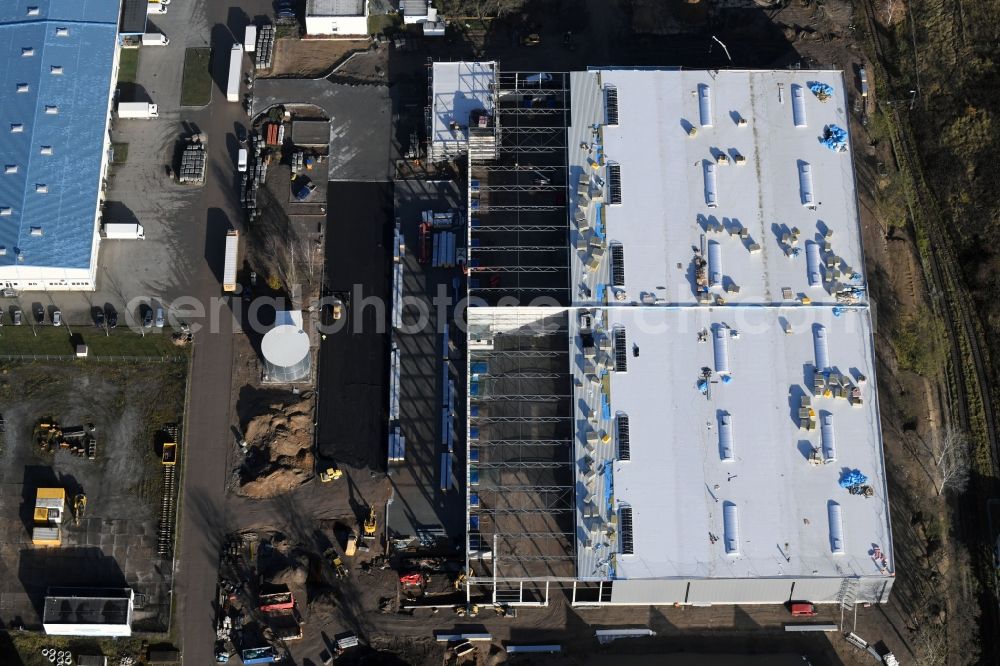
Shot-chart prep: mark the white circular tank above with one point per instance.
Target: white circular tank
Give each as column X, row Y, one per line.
column 286, row 353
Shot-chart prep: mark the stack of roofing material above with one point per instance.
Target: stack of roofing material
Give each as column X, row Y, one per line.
column 444, row 254
column 445, row 220
column 265, row 46
column 399, row 252
column 193, row 162
column 445, row 472
column 394, row 383
column 397, row 446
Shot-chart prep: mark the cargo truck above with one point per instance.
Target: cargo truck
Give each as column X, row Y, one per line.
column 229, row 268
column 124, row 231
column 235, row 72
column 140, row 110
column 154, row 39
column 250, row 39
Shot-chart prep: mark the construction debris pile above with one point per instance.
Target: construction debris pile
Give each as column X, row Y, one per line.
column 277, row 445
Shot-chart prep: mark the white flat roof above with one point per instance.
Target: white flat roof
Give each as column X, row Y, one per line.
column 676, row 481
column 664, row 215
column 336, row 8
column 458, row 89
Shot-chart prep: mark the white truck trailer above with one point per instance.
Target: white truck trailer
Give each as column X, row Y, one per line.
column 235, row 72
column 154, row 39
column 232, row 256
column 140, row 110
column 250, row 38
column 124, row 231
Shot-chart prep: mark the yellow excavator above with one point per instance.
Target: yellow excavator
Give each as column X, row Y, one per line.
column 79, row 508
column 370, row 525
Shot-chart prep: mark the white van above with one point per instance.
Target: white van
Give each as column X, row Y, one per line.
column 241, row 160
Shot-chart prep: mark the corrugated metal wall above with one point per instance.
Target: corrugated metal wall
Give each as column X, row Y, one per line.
column 644, row 592
column 726, row 591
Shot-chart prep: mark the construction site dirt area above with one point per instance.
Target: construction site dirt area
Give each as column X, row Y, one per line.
column 312, row 58
column 276, row 443
column 86, row 441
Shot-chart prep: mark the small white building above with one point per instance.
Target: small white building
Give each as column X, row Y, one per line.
column 337, row 17
column 458, row 91
column 80, row 611
column 422, row 13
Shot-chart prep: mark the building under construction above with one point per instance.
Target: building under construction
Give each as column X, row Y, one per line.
column 670, row 368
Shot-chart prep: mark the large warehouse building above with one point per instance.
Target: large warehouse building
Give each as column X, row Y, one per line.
column 58, row 71
column 680, row 405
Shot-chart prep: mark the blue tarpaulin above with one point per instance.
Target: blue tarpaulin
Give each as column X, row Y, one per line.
column 821, row 90
column 852, row 477
column 834, row 138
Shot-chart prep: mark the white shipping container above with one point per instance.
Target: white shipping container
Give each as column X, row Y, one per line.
column 124, row 231
column 154, row 39
column 229, row 266
column 250, row 39
column 138, row 110
column 235, row 72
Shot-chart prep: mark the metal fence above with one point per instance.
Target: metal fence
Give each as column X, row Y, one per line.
column 73, row 357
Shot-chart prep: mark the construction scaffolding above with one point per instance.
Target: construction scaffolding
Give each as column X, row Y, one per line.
column 518, row 229
column 521, row 503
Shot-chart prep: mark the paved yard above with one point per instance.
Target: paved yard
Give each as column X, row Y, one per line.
column 360, row 122
column 115, row 542
column 420, row 508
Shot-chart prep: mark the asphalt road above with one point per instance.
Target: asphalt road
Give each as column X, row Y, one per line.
column 203, row 519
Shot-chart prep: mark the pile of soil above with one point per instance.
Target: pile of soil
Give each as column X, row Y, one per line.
column 279, row 454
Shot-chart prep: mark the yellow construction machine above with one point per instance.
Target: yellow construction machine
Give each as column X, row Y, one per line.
column 79, row 508
column 329, row 474
column 370, row 525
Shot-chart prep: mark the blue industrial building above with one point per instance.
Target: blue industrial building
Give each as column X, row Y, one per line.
column 58, row 68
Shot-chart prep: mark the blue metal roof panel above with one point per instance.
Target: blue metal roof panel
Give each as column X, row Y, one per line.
column 75, row 131
column 89, row 11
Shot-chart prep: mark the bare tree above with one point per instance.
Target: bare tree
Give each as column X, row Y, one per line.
column 953, row 461
column 482, row 9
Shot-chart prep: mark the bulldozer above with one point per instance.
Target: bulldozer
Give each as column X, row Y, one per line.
column 329, row 474
column 370, row 525
column 338, row 564
column 79, row 508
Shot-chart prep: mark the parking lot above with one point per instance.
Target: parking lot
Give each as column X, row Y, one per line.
column 183, row 224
